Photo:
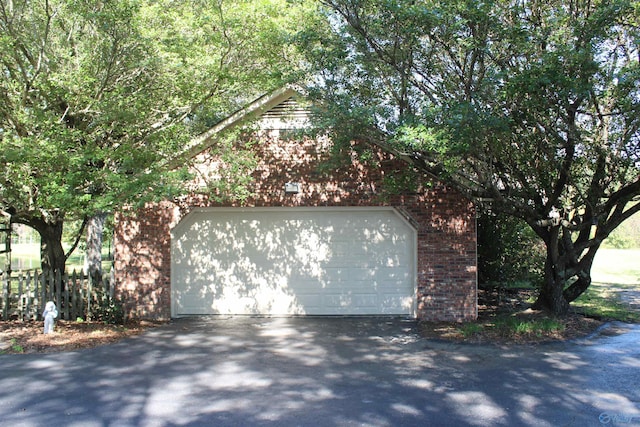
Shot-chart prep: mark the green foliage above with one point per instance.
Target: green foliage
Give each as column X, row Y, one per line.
column 85, row 114
column 79, row 120
column 510, row 325
column 224, row 54
column 470, row 329
column 97, row 97
column 233, row 179
column 15, row 347
column 508, row 251
column 402, row 181
column 626, row 236
column 619, row 239
column 109, row 310
column 530, row 107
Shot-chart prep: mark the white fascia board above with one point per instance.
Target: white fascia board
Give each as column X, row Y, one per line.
column 251, row 111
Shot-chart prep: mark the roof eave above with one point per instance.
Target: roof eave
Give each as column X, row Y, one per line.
column 251, row 111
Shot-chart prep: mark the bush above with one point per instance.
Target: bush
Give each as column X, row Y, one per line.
column 509, row 252
column 110, row 311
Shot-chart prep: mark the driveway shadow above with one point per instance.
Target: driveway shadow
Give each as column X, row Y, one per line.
column 323, row 372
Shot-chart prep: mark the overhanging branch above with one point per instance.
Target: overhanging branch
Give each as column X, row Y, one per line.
column 78, row 237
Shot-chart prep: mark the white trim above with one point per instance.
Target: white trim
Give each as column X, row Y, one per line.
column 290, row 208
column 254, row 109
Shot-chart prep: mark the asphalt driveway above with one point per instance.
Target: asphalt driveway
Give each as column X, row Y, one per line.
column 322, row 372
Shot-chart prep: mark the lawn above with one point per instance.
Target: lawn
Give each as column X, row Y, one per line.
column 26, row 256
column 615, row 276
column 617, row 266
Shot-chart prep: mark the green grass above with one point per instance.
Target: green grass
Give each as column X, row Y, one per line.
column 618, row 266
column 601, row 301
column 613, row 270
column 26, row 256
column 15, row 347
column 469, row 329
column 510, row 325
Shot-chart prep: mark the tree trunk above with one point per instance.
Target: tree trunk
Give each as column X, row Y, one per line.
column 578, row 287
column 49, row 227
column 52, row 256
column 583, row 276
column 95, row 228
column 564, row 266
column 551, row 297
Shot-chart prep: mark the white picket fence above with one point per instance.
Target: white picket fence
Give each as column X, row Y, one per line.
column 24, row 294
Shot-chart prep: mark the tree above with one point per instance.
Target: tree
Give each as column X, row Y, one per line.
column 93, row 251
column 530, row 107
column 509, row 252
column 627, row 236
column 97, row 95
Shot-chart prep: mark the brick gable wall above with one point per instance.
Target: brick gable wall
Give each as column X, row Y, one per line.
column 445, row 224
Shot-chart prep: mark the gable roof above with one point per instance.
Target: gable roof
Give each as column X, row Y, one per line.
column 270, row 106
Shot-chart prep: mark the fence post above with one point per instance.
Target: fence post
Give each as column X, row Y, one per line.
column 36, row 293
column 78, row 294
column 29, row 300
column 89, row 290
column 6, row 284
column 26, row 297
column 58, row 288
column 68, row 290
column 44, row 291
column 20, row 299
column 112, row 281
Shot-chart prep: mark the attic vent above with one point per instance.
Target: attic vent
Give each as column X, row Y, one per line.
column 289, row 109
column 289, row 114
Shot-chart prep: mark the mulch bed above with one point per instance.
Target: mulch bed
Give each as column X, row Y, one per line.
column 28, row 337
column 495, row 307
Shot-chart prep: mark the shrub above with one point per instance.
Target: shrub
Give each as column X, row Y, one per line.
column 508, row 251
column 110, row 311
column 469, row 329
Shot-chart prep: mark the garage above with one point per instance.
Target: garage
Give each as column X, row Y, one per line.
column 293, row 261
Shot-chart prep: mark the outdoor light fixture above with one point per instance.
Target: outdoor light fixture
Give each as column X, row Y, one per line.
column 292, row 188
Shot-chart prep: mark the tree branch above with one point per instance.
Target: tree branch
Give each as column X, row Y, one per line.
column 78, row 237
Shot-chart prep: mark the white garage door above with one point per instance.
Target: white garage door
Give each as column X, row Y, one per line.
column 317, row 261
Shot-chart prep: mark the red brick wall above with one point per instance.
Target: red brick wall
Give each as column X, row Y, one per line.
column 142, row 262
column 445, row 223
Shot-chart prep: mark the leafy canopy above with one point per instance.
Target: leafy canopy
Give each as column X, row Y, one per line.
column 530, row 106
column 96, row 95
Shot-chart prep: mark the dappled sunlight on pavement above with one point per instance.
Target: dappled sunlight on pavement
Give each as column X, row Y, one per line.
column 322, row 372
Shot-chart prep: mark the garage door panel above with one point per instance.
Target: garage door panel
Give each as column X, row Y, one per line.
column 291, row 261
column 360, row 303
column 366, row 300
